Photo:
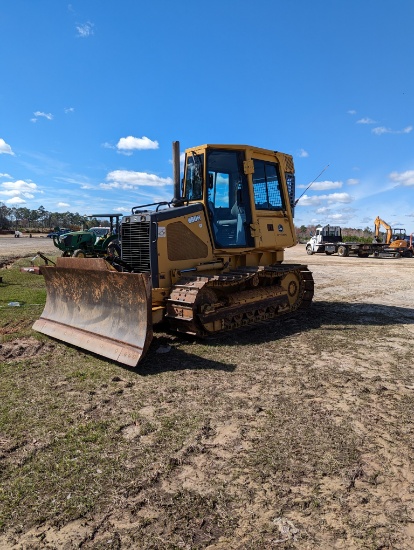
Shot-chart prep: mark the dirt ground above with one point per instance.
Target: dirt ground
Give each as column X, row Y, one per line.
column 10, row 247
column 306, row 434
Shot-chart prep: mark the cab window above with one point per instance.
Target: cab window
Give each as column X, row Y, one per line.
column 228, row 199
column 219, row 186
column 266, row 186
column 194, row 177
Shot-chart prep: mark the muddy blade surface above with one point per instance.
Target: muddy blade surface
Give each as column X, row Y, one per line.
column 98, row 309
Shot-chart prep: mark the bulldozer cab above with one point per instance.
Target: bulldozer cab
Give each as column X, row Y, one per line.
column 248, row 194
column 225, row 193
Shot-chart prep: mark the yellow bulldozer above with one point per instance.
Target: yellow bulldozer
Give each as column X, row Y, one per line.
column 211, row 260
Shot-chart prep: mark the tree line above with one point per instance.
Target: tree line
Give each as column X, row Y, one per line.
column 304, row 233
column 39, row 219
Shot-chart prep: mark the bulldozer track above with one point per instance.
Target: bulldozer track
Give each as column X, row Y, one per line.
column 203, row 305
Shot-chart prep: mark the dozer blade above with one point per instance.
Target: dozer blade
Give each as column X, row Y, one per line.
column 98, row 309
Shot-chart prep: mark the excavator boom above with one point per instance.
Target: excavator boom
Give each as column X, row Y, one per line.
column 378, row 222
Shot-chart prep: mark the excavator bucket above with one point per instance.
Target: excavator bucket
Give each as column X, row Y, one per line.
column 96, row 308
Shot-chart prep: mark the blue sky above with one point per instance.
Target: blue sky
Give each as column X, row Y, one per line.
column 93, row 92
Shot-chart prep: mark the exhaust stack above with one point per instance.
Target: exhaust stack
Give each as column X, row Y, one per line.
column 177, row 200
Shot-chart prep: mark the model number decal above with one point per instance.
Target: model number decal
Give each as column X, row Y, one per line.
column 193, row 219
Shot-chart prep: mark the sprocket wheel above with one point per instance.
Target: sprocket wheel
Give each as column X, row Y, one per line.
column 292, row 283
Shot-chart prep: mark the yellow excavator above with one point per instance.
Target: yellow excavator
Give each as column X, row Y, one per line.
column 211, row 260
column 396, row 242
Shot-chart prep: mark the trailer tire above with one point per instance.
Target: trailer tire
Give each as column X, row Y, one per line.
column 342, row 251
column 397, row 255
column 79, row 253
column 309, row 250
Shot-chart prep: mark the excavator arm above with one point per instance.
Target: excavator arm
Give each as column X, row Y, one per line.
column 377, row 224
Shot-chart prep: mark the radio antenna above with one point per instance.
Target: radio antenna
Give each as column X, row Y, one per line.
column 311, row 183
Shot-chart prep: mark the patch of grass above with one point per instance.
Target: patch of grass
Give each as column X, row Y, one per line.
column 64, row 480
column 21, row 287
column 30, row 292
column 62, row 446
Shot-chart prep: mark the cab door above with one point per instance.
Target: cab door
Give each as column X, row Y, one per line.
column 228, row 199
column 272, row 226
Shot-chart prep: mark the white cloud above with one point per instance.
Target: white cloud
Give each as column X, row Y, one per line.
column 128, row 179
column 5, row 176
column 366, row 120
column 337, row 197
column 5, row 148
column 19, row 185
column 18, row 191
column 323, row 185
column 131, row 143
column 327, row 216
column 41, row 114
column 60, row 204
column 15, row 200
column 303, row 154
column 332, row 198
column 69, row 110
column 405, row 179
column 352, row 181
column 10, row 192
column 326, row 185
column 85, row 29
column 382, row 130
column 352, row 112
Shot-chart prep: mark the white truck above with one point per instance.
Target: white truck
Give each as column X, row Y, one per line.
column 328, row 239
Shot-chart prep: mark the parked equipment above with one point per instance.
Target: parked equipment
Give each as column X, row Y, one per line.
column 208, row 261
column 57, row 232
column 396, row 245
column 94, row 242
column 328, row 240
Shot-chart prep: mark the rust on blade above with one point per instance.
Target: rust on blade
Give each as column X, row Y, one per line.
column 96, row 308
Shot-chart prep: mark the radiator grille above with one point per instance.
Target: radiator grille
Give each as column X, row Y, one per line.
column 135, row 244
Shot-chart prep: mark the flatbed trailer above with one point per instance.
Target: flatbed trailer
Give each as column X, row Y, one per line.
column 362, row 250
column 328, row 240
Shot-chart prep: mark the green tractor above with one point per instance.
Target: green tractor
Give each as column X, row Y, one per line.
column 96, row 242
